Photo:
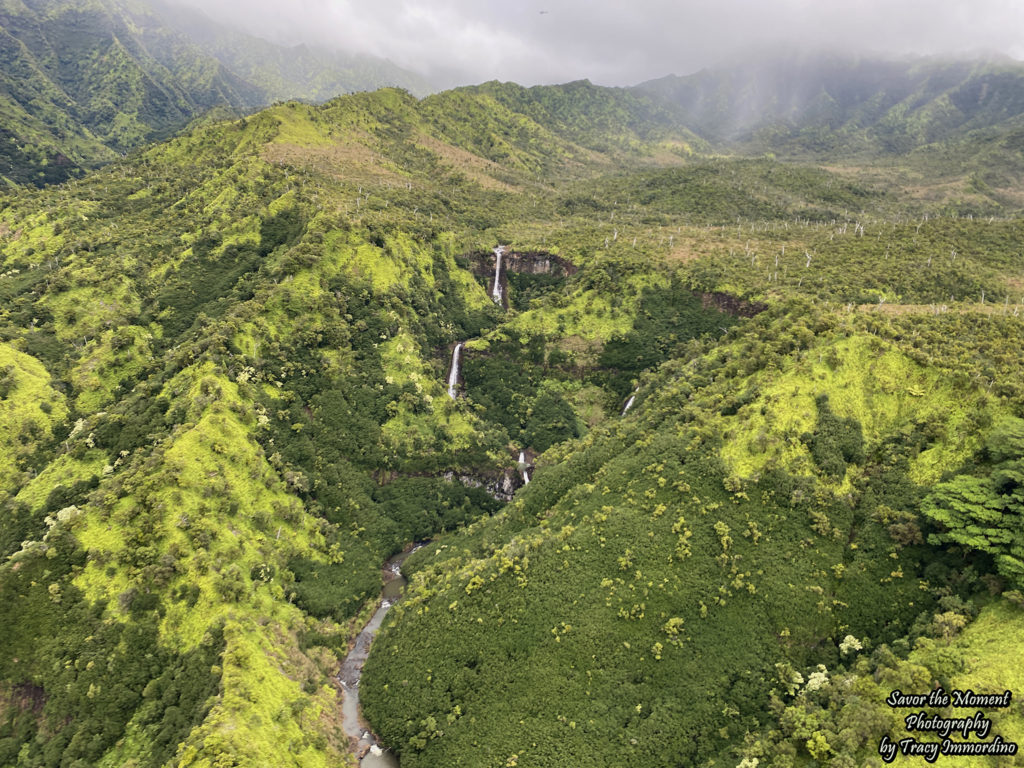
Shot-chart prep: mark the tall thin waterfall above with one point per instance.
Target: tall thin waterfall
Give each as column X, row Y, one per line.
column 496, row 290
column 453, row 376
column 629, row 403
column 522, row 467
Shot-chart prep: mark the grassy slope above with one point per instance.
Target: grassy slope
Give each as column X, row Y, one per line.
column 248, row 329
column 29, row 409
column 199, row 325
column 674, row 514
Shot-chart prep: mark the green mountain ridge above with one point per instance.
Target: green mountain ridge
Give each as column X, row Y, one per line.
column 224, row 404
column 84, row 80
column 281, row 73
column 267, row 301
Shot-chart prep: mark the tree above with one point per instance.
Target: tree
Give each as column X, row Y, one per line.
column 551, row 421
column 987, row 513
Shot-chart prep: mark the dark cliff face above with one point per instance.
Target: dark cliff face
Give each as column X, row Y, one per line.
column 538, row 263
column 481, row 263
column 524, row 274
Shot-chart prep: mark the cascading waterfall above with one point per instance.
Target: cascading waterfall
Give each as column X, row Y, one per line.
column 629, row 403
column 453, row 377
column 522, row 467
column 496, row 290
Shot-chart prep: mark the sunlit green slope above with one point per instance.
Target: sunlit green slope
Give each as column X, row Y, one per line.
column 224, row 402
column 655, row 584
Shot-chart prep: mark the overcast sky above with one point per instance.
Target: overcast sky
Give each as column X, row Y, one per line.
column 619, row 42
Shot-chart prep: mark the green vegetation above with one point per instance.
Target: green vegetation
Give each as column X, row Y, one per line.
column 639, row 559
column 842, row 105
column 86, row 81
column 983, row 514
column 224, row 404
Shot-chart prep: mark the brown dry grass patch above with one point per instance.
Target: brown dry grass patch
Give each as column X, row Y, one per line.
column 719, row 242
column 663, row 156
column 474, row 166
column 894, row 310
column 1015, row 283
column 684, row 253
column 350, row 160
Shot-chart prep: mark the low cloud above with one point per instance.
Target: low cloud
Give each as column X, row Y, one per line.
column 620, row 43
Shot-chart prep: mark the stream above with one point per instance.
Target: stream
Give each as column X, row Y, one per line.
column 370, row 751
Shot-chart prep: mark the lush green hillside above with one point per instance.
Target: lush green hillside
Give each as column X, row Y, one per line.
column 224, row 403
column 84, row 80
column 656, row 585
column 601, row 118
column 224, row 406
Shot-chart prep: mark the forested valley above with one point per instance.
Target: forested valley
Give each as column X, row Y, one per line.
column 734, row 446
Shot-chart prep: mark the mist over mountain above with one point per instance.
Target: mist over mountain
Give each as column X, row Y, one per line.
column 301, row 71
column 830, row 103
column 88, row 79
column 85, row 80
column 458, row 42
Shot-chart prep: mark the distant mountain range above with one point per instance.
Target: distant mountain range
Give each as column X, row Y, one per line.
column 83, row 80
column 826, row 104
column 301, row 72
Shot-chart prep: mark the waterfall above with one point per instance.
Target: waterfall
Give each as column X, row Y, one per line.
column 522, row 467
column 496, row 290
column 453, row 377
column 629, row 403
